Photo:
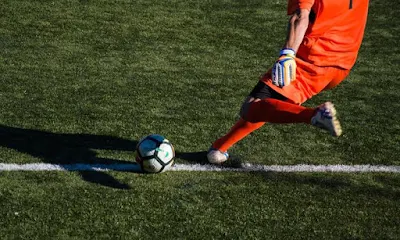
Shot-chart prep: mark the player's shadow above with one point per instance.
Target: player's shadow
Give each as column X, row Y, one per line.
column 57, row 148
column 193, row 157
column 201, row 158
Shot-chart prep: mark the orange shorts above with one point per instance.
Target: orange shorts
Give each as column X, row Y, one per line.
column 310, row 80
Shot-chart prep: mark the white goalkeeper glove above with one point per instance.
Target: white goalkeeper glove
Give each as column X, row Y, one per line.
column 284, row 69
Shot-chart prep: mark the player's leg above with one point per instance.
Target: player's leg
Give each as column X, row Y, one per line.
column 281, row 105
column 218, row 151
column 311, row 81
column 218, row 154
column 325, row 117
column 262, row 105
column 277, row 111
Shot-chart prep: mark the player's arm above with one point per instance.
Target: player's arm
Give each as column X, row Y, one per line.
column 284, row 69
column 297, row 28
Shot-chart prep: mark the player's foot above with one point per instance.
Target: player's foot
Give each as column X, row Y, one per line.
column 215, row 156
column 325, row 118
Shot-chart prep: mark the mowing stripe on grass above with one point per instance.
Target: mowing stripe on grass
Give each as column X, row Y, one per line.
column 246, row 167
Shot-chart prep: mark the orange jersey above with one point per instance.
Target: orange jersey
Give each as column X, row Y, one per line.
column 335, row 31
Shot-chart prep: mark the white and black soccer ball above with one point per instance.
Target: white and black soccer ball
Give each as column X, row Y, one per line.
column 155, row 153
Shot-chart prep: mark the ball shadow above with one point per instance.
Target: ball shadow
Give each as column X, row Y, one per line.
column 58, row 148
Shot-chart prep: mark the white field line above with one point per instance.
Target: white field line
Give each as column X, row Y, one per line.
column 247, row 167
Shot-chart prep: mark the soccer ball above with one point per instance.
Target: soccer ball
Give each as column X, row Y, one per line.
column 155, row 154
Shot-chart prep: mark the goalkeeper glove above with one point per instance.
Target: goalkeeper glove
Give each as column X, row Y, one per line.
column 284, row 69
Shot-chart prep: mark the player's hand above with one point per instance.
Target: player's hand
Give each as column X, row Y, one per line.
column 284, row 69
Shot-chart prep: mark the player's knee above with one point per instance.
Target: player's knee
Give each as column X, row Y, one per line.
column 244, row 110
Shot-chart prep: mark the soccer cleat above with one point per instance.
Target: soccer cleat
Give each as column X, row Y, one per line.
column 325, row 118
column 215, row 156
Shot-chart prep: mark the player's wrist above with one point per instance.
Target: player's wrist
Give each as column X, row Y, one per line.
column 287, row 52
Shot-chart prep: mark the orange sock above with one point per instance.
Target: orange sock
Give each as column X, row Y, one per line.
column 267, row 110
column 277, row 111
column 241, row 129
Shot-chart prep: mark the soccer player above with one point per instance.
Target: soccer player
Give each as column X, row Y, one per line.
column 321, row 47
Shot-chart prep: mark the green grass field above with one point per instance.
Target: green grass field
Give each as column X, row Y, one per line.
column 83, row 81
